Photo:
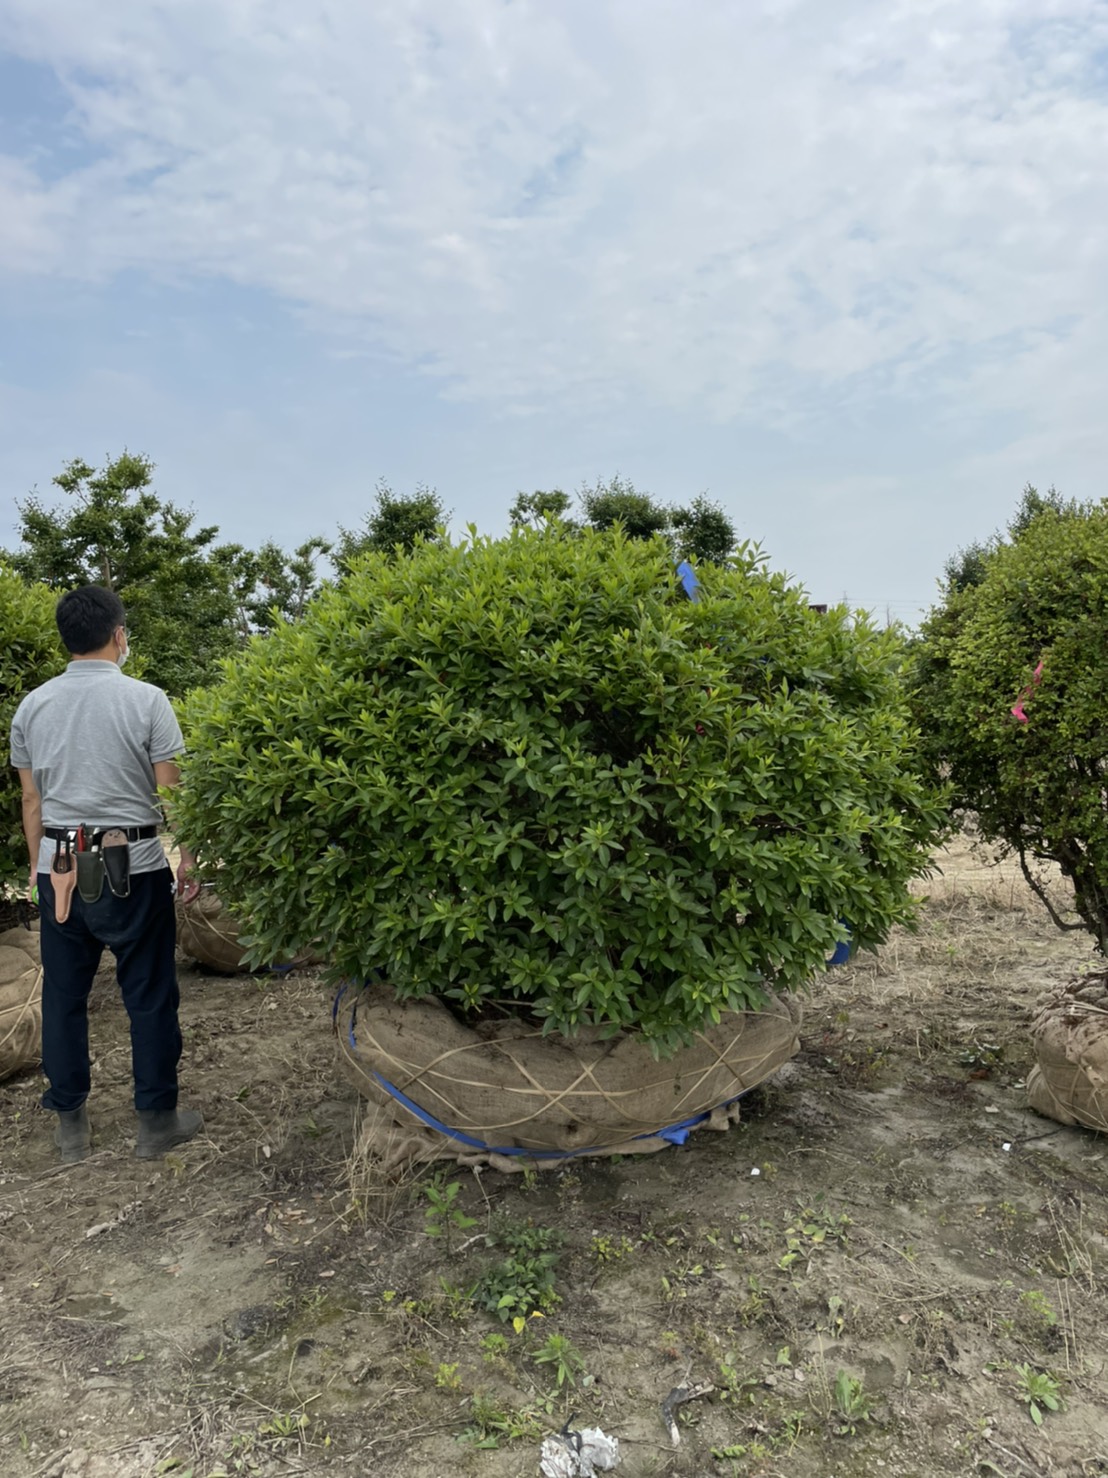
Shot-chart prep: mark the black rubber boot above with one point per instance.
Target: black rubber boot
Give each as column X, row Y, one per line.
column 73, row 1135
column 160, row 1129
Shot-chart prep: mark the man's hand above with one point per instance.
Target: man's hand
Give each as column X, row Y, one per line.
column 32, row 825
column 188, row 886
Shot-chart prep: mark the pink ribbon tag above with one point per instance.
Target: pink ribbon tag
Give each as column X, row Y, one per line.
column 1017, row 709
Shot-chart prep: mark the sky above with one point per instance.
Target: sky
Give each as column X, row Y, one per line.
column 842, row 267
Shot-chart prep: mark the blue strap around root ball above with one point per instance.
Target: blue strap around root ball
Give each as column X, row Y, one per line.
column 674, row 1133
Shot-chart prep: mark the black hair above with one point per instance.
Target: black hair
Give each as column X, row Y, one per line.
column 87, row 618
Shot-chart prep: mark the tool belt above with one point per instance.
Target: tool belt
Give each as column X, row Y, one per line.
column 85, row 856
column 132, row 833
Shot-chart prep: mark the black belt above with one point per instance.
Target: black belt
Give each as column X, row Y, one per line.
column 132, row 833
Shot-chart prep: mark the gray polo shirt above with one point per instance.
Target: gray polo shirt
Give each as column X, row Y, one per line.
column 91, row 738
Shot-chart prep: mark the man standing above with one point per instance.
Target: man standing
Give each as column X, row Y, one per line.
column 91, row 747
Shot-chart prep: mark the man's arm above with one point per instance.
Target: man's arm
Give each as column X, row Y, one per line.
column 168, row 776
column 32, row 821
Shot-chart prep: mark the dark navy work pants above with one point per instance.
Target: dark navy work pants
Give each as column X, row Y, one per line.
column 141, row 932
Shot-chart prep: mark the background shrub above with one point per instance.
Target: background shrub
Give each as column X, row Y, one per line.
column 30, row 652
column 1036, row 788
column 530, row 773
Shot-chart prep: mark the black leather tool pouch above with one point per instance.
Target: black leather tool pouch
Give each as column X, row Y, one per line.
column 90, row 876
column 116, row 852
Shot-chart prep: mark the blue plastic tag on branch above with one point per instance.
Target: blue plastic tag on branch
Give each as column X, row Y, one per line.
column 687, row 575
column 842, row 953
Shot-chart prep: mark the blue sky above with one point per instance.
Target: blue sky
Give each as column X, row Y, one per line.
column 843, row 267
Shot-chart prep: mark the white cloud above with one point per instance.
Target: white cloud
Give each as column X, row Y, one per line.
column 742, row 208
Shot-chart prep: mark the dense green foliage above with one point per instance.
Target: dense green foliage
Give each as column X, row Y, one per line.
column 1036, row 788
column 530, row 772
column 30, row 653
column 969, row 566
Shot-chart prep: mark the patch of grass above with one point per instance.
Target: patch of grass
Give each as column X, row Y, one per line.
column 611, row 1249
column 491, row 1423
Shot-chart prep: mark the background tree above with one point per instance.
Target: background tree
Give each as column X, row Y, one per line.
column 270, row 584
column 395, row 522
column 702, row 532
column 116, row 531
column 1033, row 780
column 30, row 653
column 533, row 510
column 617, row 501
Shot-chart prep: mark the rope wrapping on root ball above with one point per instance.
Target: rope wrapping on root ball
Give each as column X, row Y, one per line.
column 1069, row 1081
column 20, row 1001
column 207, row 933
column 505, row 1095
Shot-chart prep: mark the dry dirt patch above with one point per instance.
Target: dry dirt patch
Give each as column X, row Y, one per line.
column 917, row 1256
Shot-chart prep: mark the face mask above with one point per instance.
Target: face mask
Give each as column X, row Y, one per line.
column 121, row 660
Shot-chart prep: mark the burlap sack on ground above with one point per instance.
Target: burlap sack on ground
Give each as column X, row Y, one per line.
column 509, row 1087
column 207, row 933
column 1069, row 1081
column 20, row 1000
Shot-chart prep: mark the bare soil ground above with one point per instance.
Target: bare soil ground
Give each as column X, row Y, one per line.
column 876, row 1272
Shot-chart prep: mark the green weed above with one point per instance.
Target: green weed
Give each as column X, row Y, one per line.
column 522, row 1283
column 1037, row 1389
column 442, row 1216
column 564, row 1358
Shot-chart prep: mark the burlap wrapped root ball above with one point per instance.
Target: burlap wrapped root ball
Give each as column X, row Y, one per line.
column 1069, row 1081
column 20, row 1000
column 510, row 1090
column 208, row 934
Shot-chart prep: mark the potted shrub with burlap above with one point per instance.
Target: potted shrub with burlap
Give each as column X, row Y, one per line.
column 30, row 653
column 571, row 838
column 1012, row 672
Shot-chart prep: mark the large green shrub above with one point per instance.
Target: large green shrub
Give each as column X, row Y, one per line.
column 1035, row 784
column 30, row 652
column 531, row 774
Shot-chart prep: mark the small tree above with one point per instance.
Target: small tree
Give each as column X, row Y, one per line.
column 1011, row 673
column 270, row 584
column 534, row 510
column 30, row 653
column 703, row 532
column 395, row 522
column 531, row 771
column 609, row 503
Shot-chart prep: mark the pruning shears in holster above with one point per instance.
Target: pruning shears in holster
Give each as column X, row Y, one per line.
column 63, row 875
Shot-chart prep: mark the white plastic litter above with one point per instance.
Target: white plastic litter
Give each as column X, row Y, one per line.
column 579, row 1454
